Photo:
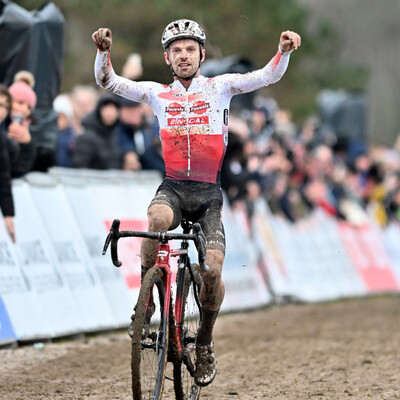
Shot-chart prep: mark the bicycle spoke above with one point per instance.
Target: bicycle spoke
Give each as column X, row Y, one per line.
column 149, row 341
column 184, row 385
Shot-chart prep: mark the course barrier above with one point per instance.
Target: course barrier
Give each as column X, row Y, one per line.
column 54, row 282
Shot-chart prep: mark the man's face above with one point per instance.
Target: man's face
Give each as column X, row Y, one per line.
column 184, row 57
column 109, row 114
column 132, row 116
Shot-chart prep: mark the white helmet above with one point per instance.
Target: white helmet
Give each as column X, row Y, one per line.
column 182, row 29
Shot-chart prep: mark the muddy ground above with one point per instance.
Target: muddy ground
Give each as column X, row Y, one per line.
column 342, row 350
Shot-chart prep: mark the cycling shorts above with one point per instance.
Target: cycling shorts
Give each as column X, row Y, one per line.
column 198, row 202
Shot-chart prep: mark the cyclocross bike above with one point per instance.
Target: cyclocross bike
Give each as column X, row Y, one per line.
column 162, row 331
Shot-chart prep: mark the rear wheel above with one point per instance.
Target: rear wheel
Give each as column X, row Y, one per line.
column 150, row 338
column 184, row 385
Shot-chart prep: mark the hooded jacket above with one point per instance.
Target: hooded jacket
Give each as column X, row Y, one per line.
column 97, row 147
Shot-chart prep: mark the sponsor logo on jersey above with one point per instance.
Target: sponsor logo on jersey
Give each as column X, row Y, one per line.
column 174, row 109
column 203, row 120
column 225, row 138
column 226, row 117
column 200, row 107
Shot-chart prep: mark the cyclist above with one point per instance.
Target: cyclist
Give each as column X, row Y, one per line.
column 193, row 116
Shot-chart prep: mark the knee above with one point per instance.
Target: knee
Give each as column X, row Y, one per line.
column 160, row 218
column 212, row 277
column 214, row 261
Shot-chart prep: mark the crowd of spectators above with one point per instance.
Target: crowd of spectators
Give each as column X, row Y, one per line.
column 295, row 169
column 298, row 169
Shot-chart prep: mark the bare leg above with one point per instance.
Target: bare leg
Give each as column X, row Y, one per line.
column 160, row 219
column 211, row 295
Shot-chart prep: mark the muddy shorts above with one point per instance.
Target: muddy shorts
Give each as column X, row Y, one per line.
column 198, row 202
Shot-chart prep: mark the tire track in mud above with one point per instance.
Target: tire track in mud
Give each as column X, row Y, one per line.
column 344, row 349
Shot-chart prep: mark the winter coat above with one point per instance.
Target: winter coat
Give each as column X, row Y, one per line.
column 6, row 199
column 97, row 147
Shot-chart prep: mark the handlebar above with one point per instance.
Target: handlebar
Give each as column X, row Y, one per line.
column 162, row 236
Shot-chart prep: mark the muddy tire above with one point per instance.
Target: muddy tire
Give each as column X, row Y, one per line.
column 184, row 385
column 150, row 338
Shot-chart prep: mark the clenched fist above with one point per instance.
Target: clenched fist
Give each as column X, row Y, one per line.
column 289, row 41
column 102, row 38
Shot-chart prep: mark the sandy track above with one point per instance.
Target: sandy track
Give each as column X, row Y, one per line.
column 347, row 349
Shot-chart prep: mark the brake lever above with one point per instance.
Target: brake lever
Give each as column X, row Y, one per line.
column 200, row 244
column 113, row 237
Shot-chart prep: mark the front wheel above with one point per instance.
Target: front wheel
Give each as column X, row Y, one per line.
column 150, row 338
column 184, row 384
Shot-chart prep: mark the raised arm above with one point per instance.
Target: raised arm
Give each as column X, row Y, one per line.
column 108, row 79
column 271, row 73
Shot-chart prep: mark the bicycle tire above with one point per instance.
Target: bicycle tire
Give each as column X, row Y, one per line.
column 150, row 338
column 183, row 368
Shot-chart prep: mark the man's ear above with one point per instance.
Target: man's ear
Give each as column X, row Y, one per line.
column 166, row 58
column 203, row 55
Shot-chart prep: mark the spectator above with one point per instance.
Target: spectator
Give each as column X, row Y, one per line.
column 6, row 199
column 97, row 147
column 23, row 103
column 132, row 69
column 84, row 99
column 135, row 136
column 66, row 136
column 237, row 180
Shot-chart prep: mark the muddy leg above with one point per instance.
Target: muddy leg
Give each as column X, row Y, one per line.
column 211, row 295
column 160, row 218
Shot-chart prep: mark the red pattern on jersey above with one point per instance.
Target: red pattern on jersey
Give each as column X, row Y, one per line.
column 276, row 60
column 199, row 162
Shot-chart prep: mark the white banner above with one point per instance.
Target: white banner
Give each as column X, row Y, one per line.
column 7, row 334
column 40, row 266
column 72, row 253
column 95, row 232
column 126, row 197
column 27, row 317
column 244, row 283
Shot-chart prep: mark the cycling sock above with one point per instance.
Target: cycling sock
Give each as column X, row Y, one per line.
column 204, row 335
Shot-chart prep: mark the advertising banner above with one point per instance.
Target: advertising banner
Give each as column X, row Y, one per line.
column 7, row 334
column 26, row 315
column 39, row 264
column 72, row 252
column 369, row 257
column 126, row 197
column 391, row 240
column 244, row 283
column 94, row 232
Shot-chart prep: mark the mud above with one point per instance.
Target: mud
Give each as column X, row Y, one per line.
column 342, row 350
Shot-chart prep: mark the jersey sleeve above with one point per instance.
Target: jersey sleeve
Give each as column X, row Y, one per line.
column 109, row 80
column 234, row 84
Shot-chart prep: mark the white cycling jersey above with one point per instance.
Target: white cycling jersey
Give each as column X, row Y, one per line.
column 193, row 122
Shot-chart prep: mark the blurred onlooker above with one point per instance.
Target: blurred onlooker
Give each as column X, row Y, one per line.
column 66, row 136
column 284, row 125
column 239, row 182
column 393, row 205
column 98, row 147
column 133, row 68
column 84, row 99
column 6, row 198
column 23, row 103
column 135, row 136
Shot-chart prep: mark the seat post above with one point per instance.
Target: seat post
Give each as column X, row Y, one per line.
column 186, row 225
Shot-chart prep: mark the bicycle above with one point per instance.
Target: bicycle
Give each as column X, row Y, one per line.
column 161, row 332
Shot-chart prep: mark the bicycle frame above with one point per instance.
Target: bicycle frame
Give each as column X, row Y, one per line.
column 162, row 260
column 179, row 334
